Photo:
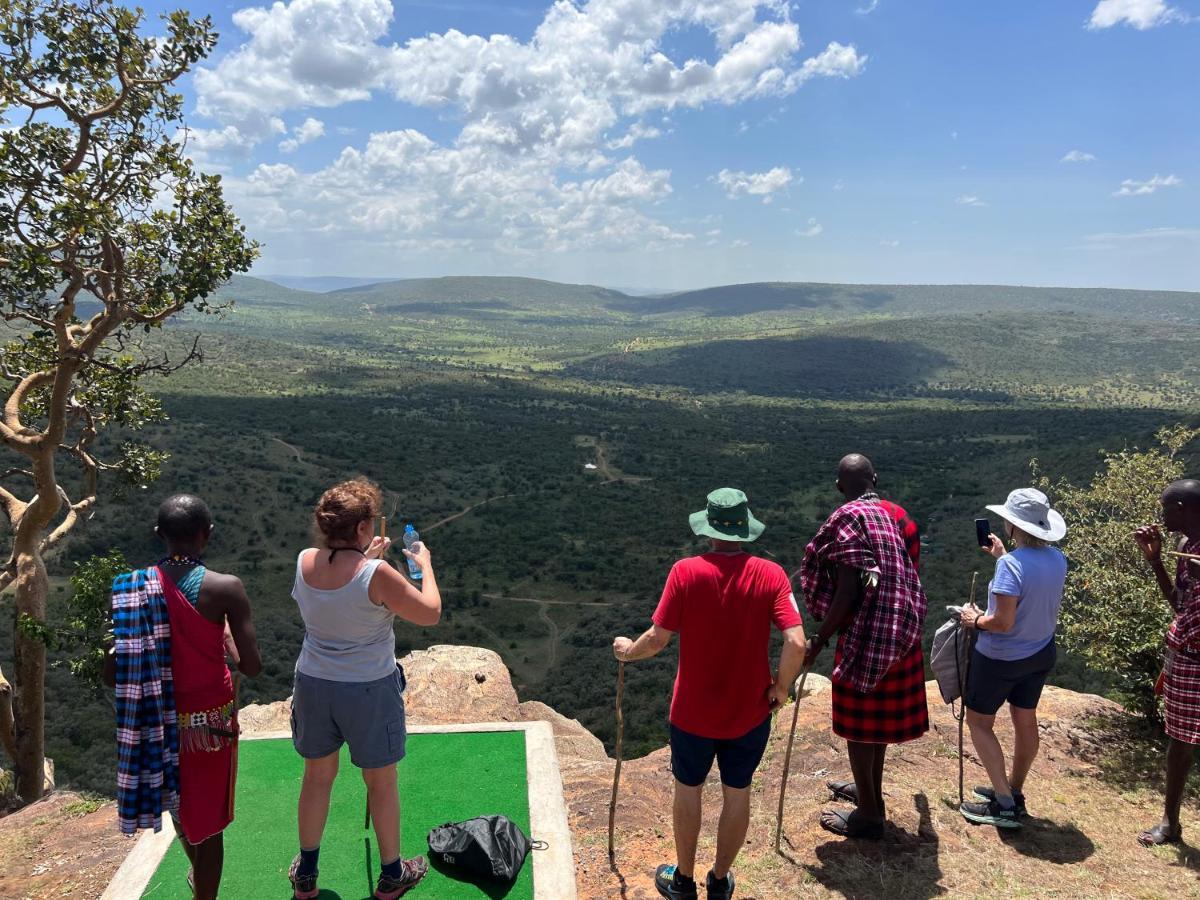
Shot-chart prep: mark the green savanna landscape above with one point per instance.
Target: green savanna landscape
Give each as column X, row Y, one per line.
column 480, row 403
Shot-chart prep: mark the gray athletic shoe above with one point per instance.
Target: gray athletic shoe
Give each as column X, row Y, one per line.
column 990, row 813
column 987, row 794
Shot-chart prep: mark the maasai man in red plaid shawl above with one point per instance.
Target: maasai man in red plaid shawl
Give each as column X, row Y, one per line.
column 860, row 578
column 1180, row 682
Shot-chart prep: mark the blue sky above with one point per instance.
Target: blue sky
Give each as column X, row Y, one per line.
column 681, row 143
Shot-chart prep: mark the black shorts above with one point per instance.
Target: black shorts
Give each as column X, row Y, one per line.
column 1019, row 681
column 692, row 756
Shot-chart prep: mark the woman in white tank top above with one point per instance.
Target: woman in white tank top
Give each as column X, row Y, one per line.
column 349, row 688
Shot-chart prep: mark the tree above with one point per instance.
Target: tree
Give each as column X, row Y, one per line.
column 1113, row 615
column 106, row 231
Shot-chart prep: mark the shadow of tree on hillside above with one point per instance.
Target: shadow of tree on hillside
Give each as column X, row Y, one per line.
column 824, row 366
column 853, row 867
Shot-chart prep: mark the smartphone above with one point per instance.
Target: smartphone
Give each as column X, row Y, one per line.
column 983, row 532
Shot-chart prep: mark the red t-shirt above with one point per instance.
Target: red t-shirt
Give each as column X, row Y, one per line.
column 722, row 605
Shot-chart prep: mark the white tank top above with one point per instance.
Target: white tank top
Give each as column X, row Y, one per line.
column 346, row 636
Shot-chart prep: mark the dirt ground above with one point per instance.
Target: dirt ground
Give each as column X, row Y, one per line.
column 1089, row 794
column 1091, row 790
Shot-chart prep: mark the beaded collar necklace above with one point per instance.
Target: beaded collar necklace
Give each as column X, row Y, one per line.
column 180, row 559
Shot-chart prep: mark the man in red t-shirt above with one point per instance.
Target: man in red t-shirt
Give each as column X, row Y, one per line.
column 722, row 604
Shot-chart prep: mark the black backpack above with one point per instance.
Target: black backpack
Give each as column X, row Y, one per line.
column 488, row 846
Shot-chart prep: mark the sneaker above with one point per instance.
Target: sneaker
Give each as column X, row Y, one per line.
column 987, row 794
column 719, row 888
column 669, row 883
column 411, row 872
column 304, row 887
column 990, row 813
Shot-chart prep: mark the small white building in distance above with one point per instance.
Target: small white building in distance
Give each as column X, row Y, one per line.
column 589, row 465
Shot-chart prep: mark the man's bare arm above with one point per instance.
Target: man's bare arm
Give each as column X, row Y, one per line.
column 651, row 643
column 241, row 628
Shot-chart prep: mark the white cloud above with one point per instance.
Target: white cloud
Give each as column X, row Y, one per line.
column 1139, row 14
column 969, row 200
column 839, row 185
column 1131, row 188
column 543, row 122
column 1076, row 156
column 836, row 60
column 886, row 243
column 306, row 132
column 754, row 184
column 637, row 132
column 738, row 244
column 814, row 229
column 870, row 7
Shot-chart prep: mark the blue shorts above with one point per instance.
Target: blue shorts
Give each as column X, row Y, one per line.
column 1019, row 681
column 692, row 756
column 369, row 716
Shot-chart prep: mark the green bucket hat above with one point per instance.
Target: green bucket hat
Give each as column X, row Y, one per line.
column 727, row 518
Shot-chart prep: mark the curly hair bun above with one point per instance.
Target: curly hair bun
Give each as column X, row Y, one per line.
column 343, row 508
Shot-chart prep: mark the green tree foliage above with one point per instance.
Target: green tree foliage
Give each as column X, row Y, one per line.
column 106, row 231
column 1113, row 615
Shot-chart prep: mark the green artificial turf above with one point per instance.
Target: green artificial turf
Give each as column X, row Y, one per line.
column 444, row 778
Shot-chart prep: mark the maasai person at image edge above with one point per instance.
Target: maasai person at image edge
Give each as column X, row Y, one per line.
column 722, row 604
column 1014, row 650
column 349, row 688
column 855, row 477
column 209, row 615
column 859, row 581
column 1180, row 681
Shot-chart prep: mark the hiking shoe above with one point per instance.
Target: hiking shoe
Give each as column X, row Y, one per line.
column 990, row 813
column 987, row 793
column 719, row 888
column 411, row 872
column 304, row 887
column 672, row 885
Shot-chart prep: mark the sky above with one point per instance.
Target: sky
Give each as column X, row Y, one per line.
column 670, row 144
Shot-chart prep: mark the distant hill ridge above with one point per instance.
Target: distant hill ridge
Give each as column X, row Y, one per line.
column 459, row 294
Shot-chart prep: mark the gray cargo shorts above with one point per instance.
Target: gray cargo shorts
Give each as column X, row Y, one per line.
column 369, row 716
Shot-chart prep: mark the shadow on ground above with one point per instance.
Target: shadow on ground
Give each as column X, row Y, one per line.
column 853, row 867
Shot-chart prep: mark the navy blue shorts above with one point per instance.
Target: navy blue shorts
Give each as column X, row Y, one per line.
column 1019, row 681
column 692, row 756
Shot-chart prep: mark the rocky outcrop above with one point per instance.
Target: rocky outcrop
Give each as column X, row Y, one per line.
column 1091, row 789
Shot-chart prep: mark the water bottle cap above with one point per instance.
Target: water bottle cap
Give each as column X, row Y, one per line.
column 408, row 528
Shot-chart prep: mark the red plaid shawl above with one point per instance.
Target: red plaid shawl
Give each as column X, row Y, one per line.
column 1185, row 630
column 863, row 535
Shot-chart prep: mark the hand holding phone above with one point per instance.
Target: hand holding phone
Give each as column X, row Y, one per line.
column 983, row 532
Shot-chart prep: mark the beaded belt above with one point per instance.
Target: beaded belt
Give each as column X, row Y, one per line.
column 208, row 730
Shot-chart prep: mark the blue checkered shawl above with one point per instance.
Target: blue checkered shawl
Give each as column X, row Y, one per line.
column 147, row 728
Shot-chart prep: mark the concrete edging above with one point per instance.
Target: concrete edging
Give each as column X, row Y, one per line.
column 553, row 868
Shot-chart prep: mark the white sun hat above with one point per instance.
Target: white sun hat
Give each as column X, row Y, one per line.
column 1029, row 509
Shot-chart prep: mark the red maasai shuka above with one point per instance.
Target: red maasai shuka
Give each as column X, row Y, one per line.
column 204, row 696
column 894, row 712
column 862, row 534
column 1181, row 679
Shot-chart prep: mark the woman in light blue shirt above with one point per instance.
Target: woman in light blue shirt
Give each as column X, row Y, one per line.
column 1015, row 650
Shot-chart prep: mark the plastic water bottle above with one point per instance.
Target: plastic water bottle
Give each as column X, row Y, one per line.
column 412, row 541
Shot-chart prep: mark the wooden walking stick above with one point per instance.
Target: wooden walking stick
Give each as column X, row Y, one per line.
column 787, row 760
column 962, row 692
column 612, row 803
